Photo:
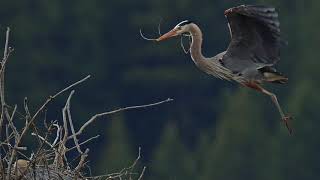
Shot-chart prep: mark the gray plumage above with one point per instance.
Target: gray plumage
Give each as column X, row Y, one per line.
column 255, row 40
column 253, row 51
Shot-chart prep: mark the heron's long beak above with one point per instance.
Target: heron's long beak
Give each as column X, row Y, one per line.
column 168, row 35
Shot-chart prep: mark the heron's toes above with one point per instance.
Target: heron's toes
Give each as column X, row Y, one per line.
column 286, row 120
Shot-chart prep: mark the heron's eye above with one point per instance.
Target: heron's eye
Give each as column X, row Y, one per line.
column 179, row 27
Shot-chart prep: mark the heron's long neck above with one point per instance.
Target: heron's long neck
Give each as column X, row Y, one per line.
column 195, row 49
column 208, row 65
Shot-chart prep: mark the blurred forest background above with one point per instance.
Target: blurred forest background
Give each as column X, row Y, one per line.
column 213, row 129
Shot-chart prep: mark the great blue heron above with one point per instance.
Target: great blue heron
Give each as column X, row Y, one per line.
column 253, row 51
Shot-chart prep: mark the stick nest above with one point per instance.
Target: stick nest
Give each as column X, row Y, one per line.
column 55, row 140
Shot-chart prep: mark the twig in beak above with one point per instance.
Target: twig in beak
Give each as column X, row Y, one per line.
column 145, row 38
column 152, row 39
column 182, row 45
column 159, row 27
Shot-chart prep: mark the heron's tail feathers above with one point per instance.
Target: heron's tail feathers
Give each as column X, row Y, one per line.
column 278, row 79
column 272, row 75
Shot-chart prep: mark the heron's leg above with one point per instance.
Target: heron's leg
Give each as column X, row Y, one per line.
column 275, row 101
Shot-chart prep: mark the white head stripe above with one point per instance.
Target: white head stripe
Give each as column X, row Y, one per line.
column 182, row 22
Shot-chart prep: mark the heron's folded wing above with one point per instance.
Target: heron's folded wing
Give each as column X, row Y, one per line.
column 255, row 36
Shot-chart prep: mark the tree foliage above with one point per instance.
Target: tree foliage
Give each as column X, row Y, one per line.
column 205, row 134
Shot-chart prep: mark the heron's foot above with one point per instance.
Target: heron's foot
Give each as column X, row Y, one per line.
column 286, row 120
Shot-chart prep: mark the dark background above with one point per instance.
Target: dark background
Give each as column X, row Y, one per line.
column 212, row 130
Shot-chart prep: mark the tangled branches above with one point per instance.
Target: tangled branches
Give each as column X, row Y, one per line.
column 50, row 160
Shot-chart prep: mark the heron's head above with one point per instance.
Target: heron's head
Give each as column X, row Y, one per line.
column 179, row 29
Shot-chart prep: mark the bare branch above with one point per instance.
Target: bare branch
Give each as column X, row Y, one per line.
column 142, row 173
column 82, row 161
column 5, row 52
column 84, row 142
column 11, row 124
column 47, row 102
column 17, row 148
column 124, row 172
column 135, row 161
column 57, row 94
column 49, row 158
column 26, row 109
column 62, row 146
column 57, row 134
column 93, row 118
column 43, row 139
column 71, row 123
column 5, row 57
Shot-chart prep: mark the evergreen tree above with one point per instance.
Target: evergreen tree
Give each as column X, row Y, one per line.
column 297, row 156
column 171, row 158
column 240, row 149
column 117, row 152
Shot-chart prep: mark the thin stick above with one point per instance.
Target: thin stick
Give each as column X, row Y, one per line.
column 13, row 155
column 152, row 39
column 145, row 38
column 135, row 161
column 47, row 102
column 4, row 109
column 84, row 142
column 17, row 148
column 71, row 123
column 62, row 146
column 57, row 134
column 5, row 52
column 54, row 96
column 182, row 46
column 11, row 124
column 65, row 117
column 26, row 109
column 5, row 57
column 82, row 161
column 93, row 118
column 43, row 139
column 142, row 173
column 159, row 27
column 124, row 171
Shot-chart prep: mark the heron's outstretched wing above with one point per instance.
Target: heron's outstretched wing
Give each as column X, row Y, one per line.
column 255, row 37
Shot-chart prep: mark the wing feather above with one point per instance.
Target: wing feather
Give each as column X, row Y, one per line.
column 255, row 37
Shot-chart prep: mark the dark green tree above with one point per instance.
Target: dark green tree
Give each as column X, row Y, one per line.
column 117, row 153
column 241, row 146
column 171, row 159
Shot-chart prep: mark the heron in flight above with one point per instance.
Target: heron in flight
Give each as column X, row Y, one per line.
column 251, row 55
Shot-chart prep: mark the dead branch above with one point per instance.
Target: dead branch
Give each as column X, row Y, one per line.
column 84, row 142
column 76, row 141
column 142, row 173
column 49, row 160
column 81, row 162
column 43, row 139
column 93, row 118
column 49, row 100
column 57, row 134
column 125, row 172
